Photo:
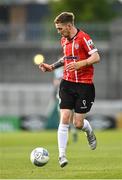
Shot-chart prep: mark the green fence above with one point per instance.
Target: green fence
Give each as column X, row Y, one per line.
column 9, row 123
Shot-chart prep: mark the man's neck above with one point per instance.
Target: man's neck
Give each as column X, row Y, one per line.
column 73, row 33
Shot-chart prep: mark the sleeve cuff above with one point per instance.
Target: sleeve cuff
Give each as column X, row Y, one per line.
column 92, row 51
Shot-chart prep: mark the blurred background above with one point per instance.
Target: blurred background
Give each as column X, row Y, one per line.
column 27, row 96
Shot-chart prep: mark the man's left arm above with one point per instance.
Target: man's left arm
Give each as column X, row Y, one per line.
column 94, row 58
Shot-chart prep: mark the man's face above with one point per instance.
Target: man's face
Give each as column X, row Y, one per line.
column 63, row 29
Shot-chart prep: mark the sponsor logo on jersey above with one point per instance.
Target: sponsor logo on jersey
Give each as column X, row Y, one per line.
column 70, row 57
column 91, row 44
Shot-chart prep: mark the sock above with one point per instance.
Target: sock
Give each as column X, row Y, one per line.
column 87, row 127
column 62, row 138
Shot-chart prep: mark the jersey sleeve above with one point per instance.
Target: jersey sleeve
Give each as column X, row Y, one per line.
column 88, row 44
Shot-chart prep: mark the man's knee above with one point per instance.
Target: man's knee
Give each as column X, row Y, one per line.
column 78, row 123
column 65, row 116
column 78, row 120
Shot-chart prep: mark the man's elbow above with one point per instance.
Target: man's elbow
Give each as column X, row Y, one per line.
column 97, row 58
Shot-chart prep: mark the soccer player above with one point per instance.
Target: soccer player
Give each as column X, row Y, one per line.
column 58, row 74
column 77, row 91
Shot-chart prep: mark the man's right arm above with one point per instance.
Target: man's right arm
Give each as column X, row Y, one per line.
column 46, row 67
column 58, row 63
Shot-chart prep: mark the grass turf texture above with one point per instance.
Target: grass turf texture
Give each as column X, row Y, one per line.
column 103, row 163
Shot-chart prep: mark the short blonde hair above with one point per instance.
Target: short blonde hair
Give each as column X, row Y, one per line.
column 65, row 17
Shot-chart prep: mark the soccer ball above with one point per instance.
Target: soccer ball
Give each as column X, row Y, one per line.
column 39, row 156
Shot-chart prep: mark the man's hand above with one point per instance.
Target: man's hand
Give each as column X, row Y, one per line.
column 73, row 66
column 45, row 67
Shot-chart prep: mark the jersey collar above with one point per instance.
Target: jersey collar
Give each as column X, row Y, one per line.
column 74, row 35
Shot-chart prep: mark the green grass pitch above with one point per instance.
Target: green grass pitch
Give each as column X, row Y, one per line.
column 103, row 163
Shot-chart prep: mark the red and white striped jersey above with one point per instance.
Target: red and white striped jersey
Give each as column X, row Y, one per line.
column 78, row 48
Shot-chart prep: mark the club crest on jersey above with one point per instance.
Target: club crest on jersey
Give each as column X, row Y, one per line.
column 76, row 46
